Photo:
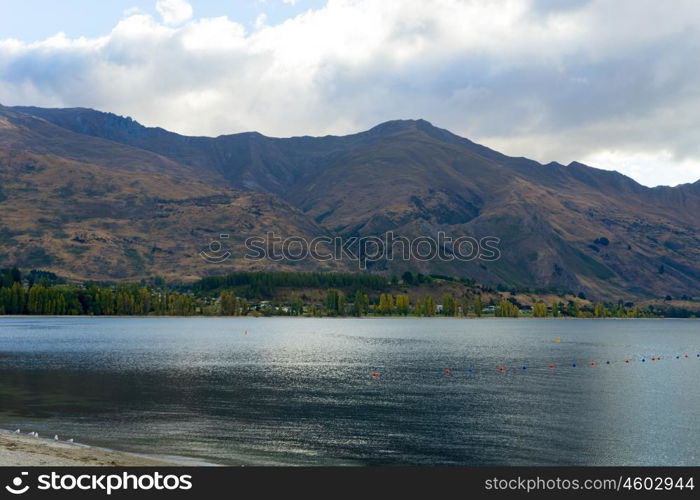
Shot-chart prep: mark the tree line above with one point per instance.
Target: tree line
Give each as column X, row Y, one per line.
column 44, row 293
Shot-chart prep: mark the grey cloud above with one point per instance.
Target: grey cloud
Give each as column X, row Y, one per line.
column 618, row 76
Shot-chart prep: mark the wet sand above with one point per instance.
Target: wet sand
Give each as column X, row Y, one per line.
column 24, row 450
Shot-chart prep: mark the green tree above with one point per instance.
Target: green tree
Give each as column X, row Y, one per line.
column 599, row 311
column 478, row 306
column 428, row 306
column 335, row 303
column 360, row 304
column 539, row 310
column 403, row 304
column 386, row 304
column 229, row 304
column 449, row 305
column 555, row 309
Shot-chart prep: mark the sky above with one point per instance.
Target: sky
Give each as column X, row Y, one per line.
column 614, row 84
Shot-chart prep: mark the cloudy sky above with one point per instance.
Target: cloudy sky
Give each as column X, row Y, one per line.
column 612, row 83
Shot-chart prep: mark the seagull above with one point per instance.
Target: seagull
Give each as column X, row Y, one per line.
column 70, row 440
column 17, row 431
column 55, row 438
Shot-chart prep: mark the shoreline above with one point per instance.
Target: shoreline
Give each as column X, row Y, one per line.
column 23, row 450
column 437, row 316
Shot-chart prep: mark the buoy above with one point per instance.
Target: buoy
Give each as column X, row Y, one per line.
column 447, row 372
column 677, row 356
column 607, row 362
column 573, row 364
column 686, row 356
column 551, row 366
column 501, row 369
column 592, row 363
column 375, row 374
column 524, row 367
column 644, row 360
column 557, row 340
column 627, row 361
column 470, row 369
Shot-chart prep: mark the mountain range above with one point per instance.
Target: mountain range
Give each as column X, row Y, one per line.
column 93, row 195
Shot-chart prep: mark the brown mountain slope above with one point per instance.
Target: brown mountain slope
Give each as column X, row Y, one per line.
column 567, row 227
column 97, row 219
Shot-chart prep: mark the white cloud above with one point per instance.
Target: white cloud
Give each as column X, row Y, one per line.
column 174, row 12
column 260, row 20
column 132, row 10
column 609, row 82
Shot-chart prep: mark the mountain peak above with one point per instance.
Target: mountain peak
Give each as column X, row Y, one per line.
column 397, row 126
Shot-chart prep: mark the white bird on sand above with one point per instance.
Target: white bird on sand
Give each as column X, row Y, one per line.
column 17, row 431
column 70, row 440
column 55, row 438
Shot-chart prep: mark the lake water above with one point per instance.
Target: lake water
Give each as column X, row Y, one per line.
column 301, row 391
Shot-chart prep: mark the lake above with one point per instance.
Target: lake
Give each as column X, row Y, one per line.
column 302, row 391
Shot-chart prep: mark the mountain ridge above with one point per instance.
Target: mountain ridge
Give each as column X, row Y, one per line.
column 405, row 176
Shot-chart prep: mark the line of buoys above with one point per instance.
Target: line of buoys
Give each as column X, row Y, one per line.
column 552, row 366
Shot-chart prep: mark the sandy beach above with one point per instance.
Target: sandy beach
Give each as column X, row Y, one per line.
column 24, row 450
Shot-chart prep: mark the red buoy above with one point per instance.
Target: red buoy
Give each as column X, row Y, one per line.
column 592, row 363
column 375, row 374
column 447, row 372
column 501, row 369
column 627, row 361
column 551, row 366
